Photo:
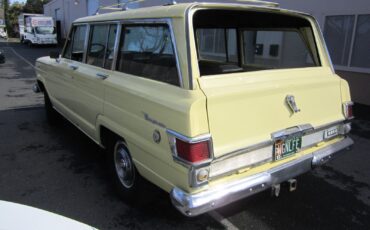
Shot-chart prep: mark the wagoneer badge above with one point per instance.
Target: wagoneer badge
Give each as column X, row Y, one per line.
column 290, row 100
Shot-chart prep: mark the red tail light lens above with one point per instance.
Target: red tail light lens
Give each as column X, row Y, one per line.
column 348, row 110
column 193, row 152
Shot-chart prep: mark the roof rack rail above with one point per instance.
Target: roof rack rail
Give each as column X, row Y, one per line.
column 259, row 2
column 125, row 6
column 166, row 3
column 114, row 7
column 117, row 7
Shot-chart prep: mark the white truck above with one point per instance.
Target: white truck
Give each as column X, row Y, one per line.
column 37, row 29
column 3, row 33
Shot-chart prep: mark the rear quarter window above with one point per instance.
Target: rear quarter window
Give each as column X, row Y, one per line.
column 147, row 51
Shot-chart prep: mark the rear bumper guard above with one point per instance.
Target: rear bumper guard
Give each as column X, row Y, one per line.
column 196, row 204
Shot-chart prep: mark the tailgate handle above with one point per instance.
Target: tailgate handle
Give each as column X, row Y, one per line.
column 73, row 67
column 102, row 76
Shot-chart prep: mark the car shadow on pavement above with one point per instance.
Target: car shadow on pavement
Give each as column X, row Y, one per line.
column 59, row 169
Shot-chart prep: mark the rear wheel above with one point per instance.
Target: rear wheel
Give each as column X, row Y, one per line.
column 126, row 178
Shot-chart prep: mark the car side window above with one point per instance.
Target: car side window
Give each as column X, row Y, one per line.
column 67, row 49
column 101, row 46
column 97, row 45
column 147, row 51
column 109, row 53
column 78, row 43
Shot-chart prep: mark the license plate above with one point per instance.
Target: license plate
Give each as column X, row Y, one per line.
column 287, row 147
column 332, row 132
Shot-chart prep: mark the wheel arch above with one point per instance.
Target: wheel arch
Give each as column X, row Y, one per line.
column 108, row 137
column 41, row 85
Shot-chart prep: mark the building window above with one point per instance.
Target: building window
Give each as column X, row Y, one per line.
column 361, row 47
column 347, row 38
column 338, row 35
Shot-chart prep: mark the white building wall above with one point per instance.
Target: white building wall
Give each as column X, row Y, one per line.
column 71, row 10
column 321, row 8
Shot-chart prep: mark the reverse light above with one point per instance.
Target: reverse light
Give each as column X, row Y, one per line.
column 202, row 175
column 348, row 110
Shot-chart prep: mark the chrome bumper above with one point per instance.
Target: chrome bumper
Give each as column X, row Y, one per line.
column 196, row 204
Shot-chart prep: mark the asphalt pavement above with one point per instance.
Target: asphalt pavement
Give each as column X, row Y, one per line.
column 58, row 169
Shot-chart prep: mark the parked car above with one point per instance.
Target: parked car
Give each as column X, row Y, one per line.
column 18, row 217
column 2, row 57
column 212, row 102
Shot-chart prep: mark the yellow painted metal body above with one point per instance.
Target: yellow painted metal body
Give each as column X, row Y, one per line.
column 238, row 110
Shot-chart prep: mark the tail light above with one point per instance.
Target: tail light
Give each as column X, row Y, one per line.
column 193, row 151
column 348, row 110
column 196, row 153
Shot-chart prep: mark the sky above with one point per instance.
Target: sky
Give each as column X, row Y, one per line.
column 21, row 1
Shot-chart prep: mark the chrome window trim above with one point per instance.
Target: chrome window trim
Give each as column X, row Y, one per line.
column 323, row 43
column 116, row 46
column 166, row 21
column 188, row 48
column 106, row 45
column 69, row 39
column 86, row 44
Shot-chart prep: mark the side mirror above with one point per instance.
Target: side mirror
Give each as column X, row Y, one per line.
column 54, row 55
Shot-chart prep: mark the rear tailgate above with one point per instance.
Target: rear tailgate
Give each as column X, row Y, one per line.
column 244, row 109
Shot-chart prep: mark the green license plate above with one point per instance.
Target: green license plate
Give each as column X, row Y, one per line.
column 287, row 147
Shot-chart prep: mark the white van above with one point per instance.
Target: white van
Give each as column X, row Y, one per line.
column 37, row 29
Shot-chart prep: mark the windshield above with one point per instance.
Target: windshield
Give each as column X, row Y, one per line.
column 236, row 41
column 44, row 30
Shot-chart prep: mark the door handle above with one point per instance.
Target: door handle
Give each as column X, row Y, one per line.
column 102, row 76
column 72, row 66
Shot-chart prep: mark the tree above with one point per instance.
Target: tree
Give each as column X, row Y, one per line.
column 35, row 6
column 12, row 12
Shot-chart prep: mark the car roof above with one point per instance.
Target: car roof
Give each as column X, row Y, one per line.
column 176, row 11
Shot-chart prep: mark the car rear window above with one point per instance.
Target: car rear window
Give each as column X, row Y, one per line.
column 242, row 41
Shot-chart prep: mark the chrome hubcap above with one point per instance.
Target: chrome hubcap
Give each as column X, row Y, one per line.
column 124, row 166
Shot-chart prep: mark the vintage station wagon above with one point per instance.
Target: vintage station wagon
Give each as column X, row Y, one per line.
column 212, row 102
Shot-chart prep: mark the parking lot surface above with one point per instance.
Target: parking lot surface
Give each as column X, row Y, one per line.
column 58, row 169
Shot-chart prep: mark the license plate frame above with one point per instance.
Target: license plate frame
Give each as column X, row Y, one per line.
column 286, row 147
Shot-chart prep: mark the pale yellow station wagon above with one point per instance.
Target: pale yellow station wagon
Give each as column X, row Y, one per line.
column 212, row 102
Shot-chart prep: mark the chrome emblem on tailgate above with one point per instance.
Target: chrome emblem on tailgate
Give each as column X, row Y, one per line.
column 290, row 100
